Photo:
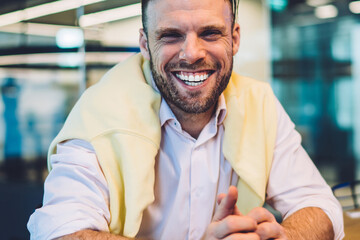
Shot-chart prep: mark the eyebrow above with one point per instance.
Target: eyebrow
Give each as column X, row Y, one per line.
column 163, row 30
column 213, row 27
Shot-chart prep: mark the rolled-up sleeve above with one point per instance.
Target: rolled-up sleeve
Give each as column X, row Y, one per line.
column 295, row 182
column 76, row 195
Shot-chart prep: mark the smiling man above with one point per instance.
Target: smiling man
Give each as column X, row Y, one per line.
column 171, row 144
column 190, row 46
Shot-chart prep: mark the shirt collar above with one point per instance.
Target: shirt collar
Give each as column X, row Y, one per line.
column 166, row 113
column 221, row 109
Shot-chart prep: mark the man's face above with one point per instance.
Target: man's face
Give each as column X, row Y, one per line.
column 190, row 45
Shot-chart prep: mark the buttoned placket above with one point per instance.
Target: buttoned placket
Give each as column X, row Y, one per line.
column 203, row 175
column 198, row 164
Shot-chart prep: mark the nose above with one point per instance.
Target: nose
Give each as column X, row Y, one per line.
column 192, row 49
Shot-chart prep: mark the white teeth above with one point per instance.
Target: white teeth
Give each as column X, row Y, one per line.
column 193, row 83
column 193, row 78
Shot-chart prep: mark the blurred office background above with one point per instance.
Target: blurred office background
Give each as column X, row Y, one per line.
column 50, row 51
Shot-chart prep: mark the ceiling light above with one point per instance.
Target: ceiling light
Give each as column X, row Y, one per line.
column 110, row 15
column 327, row 11
column 317, row 3
column 355, row 7
column 69, row 38
column 43, row 10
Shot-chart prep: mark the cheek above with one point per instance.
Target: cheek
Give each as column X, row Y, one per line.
column 221, row 51
column 227, row 49
column 163, row 55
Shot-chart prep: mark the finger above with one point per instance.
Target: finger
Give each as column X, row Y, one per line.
column 242, row 236
column 227, row 204
column 269, row 230
column 234, row 224
column 220, row 197
column 261, row 215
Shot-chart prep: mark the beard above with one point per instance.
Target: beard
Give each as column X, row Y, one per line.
column 193, row 103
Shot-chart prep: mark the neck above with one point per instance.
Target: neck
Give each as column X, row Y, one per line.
column 192, row 123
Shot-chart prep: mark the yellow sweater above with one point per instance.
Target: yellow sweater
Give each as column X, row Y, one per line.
column 119, row 116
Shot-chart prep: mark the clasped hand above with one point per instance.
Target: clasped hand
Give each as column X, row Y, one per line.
column 228, row 222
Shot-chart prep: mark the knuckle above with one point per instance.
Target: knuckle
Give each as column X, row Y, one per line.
column 252, row 222
column 269, row 230
column 231, row 220
column 263, row 229
column 263, row 211
column 231, row 223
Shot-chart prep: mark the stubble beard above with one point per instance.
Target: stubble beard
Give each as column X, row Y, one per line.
column 190, row 103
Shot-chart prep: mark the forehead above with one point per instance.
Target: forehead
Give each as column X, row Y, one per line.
column 187, row 12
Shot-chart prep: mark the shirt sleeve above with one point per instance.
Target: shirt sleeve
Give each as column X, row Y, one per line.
column 76, row 195
column 304, row 186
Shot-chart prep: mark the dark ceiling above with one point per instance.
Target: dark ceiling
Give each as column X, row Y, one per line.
column 13, row 5
column 69, row 17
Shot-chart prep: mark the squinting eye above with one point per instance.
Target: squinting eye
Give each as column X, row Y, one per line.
column 211, row 34
column 170, row 37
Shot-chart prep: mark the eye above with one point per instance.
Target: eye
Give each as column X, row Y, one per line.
column 211, row 35
column 170, row 37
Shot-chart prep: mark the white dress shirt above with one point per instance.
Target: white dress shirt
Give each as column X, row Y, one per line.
column 189, row 174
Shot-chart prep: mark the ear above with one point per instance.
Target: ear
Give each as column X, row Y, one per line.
column 144, row 44
column 236, row 38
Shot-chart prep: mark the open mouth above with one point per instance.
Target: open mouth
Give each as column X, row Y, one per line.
column 193, row 79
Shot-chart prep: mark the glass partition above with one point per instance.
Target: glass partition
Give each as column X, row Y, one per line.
column 314, row 62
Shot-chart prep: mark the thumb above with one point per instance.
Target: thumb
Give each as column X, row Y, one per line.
column 226, row 204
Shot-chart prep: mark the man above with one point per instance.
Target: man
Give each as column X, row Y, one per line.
column 131, row 164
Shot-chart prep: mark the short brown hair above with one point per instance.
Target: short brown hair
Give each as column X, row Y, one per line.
column 144, row 3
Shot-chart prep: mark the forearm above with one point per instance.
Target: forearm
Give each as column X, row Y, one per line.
column 307, row 224
column 93, row 235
